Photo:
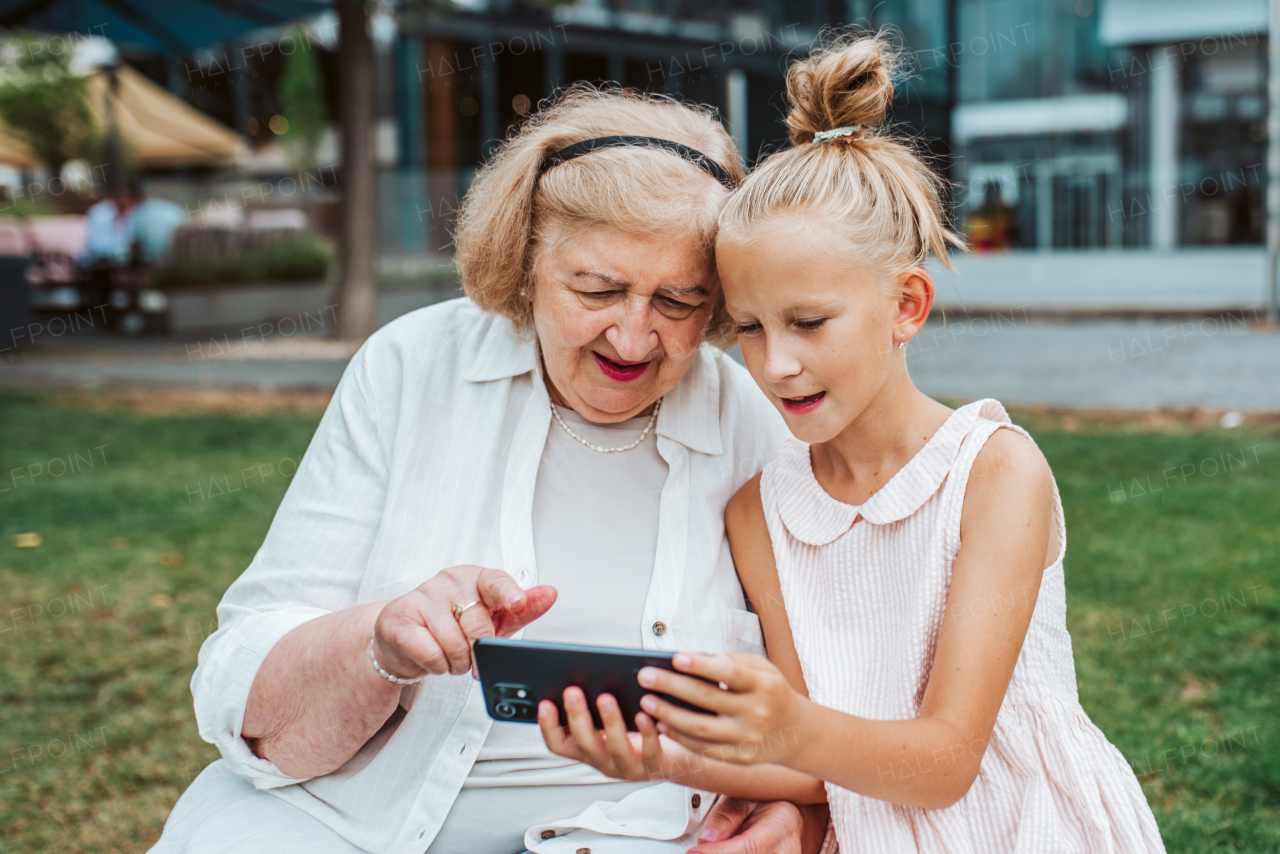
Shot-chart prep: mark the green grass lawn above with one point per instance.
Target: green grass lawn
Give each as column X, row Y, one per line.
column 1172, row 606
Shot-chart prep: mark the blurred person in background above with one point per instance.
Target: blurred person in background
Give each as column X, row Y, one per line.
column 151, row 228
column 993, row 227
column 108, row 233
column 108, row 241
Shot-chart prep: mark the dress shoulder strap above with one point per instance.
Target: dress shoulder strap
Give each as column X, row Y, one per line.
column 991, row 417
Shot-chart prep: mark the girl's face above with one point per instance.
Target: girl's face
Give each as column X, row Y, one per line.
column 820, row 339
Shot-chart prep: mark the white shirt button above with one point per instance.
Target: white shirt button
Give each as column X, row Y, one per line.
column 659, row 628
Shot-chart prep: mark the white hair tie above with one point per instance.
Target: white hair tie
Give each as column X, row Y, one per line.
column 828, row 135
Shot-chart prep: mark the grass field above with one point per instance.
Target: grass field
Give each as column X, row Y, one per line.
column 1172, row 605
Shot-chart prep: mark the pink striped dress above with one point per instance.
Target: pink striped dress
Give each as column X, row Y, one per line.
column 865, row 589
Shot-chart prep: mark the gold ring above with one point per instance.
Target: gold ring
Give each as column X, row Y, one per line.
column 459, row 610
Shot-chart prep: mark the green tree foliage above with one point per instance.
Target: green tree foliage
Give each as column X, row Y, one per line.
column 43, row 104
column 302, row 102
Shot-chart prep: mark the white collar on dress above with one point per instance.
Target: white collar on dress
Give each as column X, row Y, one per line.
column 813, row 516
column 690, row 412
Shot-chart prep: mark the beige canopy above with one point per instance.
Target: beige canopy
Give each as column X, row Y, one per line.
column 158, row 128
column 14, row 152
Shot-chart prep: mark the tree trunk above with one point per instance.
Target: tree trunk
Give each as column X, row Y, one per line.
column 358, row 300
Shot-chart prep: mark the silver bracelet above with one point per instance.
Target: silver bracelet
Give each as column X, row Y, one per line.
column 385, row 675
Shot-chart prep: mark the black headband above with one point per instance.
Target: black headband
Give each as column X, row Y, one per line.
column 697, row 158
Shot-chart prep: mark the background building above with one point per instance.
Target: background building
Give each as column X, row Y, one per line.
column 465, row 79
column 1124, row 123
column 1063, row 124
column 1079, row 125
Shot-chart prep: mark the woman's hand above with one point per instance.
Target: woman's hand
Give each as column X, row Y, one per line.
column 637, row 757
column 418, row 633
column 758, row 717
column 739, row 826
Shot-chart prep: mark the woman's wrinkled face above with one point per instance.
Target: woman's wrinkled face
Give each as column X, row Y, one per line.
column 818, row 338
column 619, row 318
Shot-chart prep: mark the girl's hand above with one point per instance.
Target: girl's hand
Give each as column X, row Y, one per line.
column 758, row 715
column 637, row 757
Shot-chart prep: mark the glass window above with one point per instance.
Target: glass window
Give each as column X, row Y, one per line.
column 923, row 25
column 1046, row 192
column 1030, row 49
column 1224, row 142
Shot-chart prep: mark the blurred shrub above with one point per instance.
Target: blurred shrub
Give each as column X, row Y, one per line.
column 24, row 207
column 302, row 258
column 43, row 104
column 301, row 94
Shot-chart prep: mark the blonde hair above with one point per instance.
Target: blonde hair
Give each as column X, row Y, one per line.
column 868, row 188
column 510, row 216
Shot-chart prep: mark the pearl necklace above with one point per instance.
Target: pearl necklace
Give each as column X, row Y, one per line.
column 653, row 419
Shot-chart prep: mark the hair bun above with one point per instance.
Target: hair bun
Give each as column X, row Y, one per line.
column 846, row 82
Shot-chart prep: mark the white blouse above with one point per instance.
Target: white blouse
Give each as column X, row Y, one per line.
column 595, row 532
column 427, row 458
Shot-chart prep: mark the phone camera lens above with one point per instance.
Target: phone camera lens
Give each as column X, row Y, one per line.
column 504, row 710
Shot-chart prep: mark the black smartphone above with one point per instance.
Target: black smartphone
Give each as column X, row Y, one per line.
column 516, row 675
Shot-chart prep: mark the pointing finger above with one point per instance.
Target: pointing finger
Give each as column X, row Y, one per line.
column 498, row 590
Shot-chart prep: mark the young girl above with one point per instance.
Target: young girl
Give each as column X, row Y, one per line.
column 905, row 559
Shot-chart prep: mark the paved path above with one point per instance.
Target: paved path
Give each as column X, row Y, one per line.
column 102, row 360
column 210, row 360
column 263, row 374
column 1215, row 362
column 1212, row 362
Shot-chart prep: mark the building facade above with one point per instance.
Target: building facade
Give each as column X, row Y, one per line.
column 1121, row 123
column 1061, row 124
column 1081, row 124
column 464, row 80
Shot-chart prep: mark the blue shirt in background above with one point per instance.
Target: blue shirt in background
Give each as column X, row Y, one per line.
column 152, row 224
column 107, row 238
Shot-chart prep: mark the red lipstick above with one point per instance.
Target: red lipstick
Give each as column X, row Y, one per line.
column 802, row 405
column 623, row 372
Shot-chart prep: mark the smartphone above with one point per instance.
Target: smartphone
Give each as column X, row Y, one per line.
column 516, row 675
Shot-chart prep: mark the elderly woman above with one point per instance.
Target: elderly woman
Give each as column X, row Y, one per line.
column 549, row 457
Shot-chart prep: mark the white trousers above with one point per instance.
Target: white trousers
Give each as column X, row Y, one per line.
column 222, row 813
